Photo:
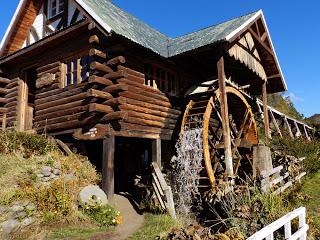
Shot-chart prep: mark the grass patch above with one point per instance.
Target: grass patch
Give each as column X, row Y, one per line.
column 154, row 226
column 308, row 195
column 74, row 233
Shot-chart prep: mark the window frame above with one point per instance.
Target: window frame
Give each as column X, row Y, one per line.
column 164, row 79
column 58, row 11
column 72, row 70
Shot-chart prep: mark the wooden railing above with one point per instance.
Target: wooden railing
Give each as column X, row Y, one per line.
column 285, row 222
column 274, row 180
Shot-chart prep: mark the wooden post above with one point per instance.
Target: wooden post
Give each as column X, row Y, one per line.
column 266, row 112
column 288, row 126
column 156, row 151
column 108, row 167
column 4, row 122
column 225, row 118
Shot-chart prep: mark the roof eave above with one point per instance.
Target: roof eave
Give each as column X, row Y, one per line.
column 237, row 32
column 7, row 35
column 93, row 15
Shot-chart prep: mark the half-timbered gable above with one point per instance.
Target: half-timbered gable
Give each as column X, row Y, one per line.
column 35, row 20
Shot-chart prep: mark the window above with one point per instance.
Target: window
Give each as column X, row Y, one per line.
column 162, row 79
column 55, row 7
column 76, row 71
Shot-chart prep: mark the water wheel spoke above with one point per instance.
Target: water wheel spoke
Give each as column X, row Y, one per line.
column 237, row 165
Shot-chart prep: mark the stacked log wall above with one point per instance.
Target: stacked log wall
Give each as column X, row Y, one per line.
column 56, row 106
column 11, row 89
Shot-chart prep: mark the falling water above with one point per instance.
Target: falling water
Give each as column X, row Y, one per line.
column 188, row 163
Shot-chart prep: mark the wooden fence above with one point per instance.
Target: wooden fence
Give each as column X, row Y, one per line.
column 274, row 180
column 285, row 222
column 162, row 190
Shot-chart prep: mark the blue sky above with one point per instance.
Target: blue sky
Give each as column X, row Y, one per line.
column 294, row 27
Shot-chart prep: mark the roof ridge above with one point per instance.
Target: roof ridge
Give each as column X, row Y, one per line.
column 215, row 25
column 138, row 19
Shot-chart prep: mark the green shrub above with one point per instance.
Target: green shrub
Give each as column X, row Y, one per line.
column 104, row 215
column 247, row 210
column 299, row 148
column 28, row 144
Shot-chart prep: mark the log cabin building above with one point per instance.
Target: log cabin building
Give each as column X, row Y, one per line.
column 97, row 77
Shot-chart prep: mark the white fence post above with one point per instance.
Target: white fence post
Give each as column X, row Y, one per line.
column 268, row 231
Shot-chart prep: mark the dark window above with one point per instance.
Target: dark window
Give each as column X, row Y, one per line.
column 77, row 70
column 162, row 79
column 55, row 7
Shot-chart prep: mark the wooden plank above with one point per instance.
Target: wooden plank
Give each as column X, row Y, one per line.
column 159, row 175
column 95, row 107
column 225, row 118
column 116, row 61
column 60, row 119
column 97, row 53
column 59, row 96
column 138, row 134
column 4, row 80
column 275, row 123
column 3, row 110
column 94, row 39
column 265, row 111
column 3, row 100
column 4, row 122
column 48, row 67
column 116, row 88
column 156, row 181
column 156, row 151
column 169, row 117
column 116, row 75
column 76, row 123
column 151, row 123
column 64, row 147
column 144, row 128
column 101, row 67
column 132, row 72
column 108, row 167
column 139, row 85
column 100, row 80
column 265, row 174
column 56, row 90
column 99, row 94
column 80, row 96
column 142, row 96
column 4, row 91
column 172, row 113
column 62, row 112
column 288, row 127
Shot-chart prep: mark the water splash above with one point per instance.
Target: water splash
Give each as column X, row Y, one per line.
column 188, row 164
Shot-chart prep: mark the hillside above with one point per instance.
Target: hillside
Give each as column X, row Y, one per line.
column 315, row 120
column 43, row 190
column 285, row 105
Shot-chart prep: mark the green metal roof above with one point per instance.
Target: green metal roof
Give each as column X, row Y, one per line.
column 114, row 18
column 206, row 36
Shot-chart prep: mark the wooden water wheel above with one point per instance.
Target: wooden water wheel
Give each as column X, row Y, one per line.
column 204, row 111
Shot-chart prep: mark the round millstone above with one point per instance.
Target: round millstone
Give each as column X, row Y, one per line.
column 92, row 195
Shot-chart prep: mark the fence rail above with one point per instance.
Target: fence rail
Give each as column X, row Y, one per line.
column 273, row 179
column 285, row 222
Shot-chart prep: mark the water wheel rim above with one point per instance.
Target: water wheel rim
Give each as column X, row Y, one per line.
column 252, row 136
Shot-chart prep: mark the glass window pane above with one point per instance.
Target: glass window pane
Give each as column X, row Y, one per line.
column 61, row 6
